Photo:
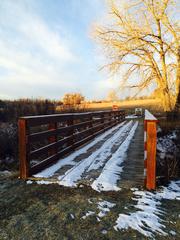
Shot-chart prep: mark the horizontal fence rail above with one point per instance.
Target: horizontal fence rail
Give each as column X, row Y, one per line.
column 45, row 139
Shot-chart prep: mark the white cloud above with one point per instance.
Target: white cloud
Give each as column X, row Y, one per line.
column 31, row 53
column 38, row 57
column 50, row 42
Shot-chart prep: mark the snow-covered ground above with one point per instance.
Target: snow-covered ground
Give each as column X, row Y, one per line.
column 147, row 218
column 145, row 213
column 102, row 158
column 166, row 144
column 5, row 173
column 133, row 116
column 103, row 208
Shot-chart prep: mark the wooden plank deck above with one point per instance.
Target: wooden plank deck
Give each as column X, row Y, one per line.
column 133, row 166
column 132, row 174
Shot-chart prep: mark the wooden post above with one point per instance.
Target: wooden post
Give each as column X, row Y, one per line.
column 91, row 123
column 70, row 122
column 123, row 115
column 52, row 139
column 150, row 141
column 145, row 153
column 110, row 115
column 119, row 116
column 102, row 119
column 151, row 155
column 23, row 149
column 115, row 117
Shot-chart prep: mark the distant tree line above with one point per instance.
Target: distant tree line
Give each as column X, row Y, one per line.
column 10, row 111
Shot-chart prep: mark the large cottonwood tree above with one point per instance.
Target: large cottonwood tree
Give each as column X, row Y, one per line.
column 143, row 36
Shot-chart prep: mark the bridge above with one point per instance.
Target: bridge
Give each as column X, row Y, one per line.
column 105, row 150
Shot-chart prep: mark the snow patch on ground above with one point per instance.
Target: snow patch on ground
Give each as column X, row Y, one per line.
column 107, row 180
column 5, row 173
column 42, row 182
column 104, row 207
column 104, row 231
column 172, row 192
column 131, row 116
column 89, row 213
column 72, row 216
column 166, row 144
column 147, row 219
column 29, row 182
column 172, row 233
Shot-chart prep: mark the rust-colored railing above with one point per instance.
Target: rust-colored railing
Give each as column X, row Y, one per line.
column 45, row 139
column 150, row 141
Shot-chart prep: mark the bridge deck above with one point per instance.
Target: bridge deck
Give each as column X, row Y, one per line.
column 133, row 166
column 112, row 160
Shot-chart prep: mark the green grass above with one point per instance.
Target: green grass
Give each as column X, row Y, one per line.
column 44, row 212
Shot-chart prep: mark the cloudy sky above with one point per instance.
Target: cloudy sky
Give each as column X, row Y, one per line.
column 46, row 49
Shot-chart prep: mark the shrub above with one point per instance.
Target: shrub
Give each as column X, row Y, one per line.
column 8, row 146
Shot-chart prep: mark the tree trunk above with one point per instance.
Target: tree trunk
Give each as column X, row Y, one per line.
column 166, row 101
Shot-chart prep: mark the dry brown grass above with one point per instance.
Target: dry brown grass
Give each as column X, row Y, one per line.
column 154, row 104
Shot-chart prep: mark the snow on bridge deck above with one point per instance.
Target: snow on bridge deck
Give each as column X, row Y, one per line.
column 111, row 161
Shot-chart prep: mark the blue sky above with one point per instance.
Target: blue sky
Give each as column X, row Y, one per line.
column 46, row 49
